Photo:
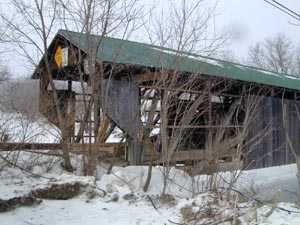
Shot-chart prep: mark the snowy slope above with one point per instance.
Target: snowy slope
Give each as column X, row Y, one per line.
column 21, row 129
column 277, row 184
column 123, row 182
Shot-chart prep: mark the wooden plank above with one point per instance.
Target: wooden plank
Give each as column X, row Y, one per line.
column 109, row 148
column 187, row 90
column 204, row 169
column 195, row 155
column 86, row 147
column 29, row 146
column 194, row 126
column 149, row 76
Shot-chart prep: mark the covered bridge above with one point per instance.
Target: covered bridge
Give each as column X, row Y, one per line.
column 197, row 108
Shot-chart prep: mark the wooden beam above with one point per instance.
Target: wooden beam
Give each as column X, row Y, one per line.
column 192, row 155
column 108, row 149
column 160, row 87
column 194, row 126
column 29, row 146
column 149, row 76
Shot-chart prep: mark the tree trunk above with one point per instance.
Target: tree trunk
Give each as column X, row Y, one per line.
column 66, row 156
column 147, row 183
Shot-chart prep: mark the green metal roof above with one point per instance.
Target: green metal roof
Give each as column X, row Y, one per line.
column 134, row 53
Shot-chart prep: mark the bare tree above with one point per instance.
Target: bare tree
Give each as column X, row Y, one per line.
column 4, row 73
column 33, row 27
column 186, row 26
column 185, row 98
column 101, row 18
column 275, row 54
column 30, row 30
column 297, row 63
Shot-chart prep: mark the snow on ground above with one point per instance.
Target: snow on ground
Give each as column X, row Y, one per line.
column 78, row 212
column 279, row 217
column 21, row 129
column 266, row 184
column 15, row 182
column 277, row 184
column 132, row 178
column 137, row 209
column 274, row 182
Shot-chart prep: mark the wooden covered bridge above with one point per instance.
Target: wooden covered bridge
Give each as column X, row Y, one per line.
column 169, row 105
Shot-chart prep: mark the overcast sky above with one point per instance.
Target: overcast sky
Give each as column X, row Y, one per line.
column 252, row 21
column 255, row 20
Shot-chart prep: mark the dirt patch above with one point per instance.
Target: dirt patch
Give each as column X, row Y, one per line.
column 55, row 191
column 167, row 199
column 188, row 214
column 58, row 191
column 10, row 204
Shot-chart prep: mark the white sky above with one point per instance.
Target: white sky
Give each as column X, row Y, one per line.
column 253, row 20
column 257, row 20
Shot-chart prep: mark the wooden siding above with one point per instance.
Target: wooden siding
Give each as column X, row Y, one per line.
column 273, row 150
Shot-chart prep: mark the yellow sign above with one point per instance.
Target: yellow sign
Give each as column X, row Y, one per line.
column 58, row 56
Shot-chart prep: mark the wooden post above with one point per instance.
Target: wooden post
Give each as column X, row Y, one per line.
column 210, row 134
column 269, row 139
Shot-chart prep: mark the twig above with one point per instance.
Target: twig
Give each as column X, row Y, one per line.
column 260, row 201
column 184, row 188
column 120, row 178
column 150, row 199
column 100, row 189
column 176, row 222
column 154, row 206
column 221, row 221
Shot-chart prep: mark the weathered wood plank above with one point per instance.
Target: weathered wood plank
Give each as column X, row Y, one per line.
column 105, row 148
column 189, row 155
column 29, row 146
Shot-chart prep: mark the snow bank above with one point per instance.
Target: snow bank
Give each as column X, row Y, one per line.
column 187, row 191
column 268, row 183
column 132, row 179
column 14, row 183
column 267, row 215
column 33, row 171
